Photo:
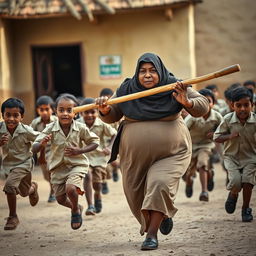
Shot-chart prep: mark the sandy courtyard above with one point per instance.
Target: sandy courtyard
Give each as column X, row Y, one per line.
column 199, row 228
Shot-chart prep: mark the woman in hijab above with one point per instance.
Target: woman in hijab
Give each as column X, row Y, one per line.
column 153, row 143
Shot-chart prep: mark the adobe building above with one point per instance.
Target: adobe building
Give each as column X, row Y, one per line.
column 81, row 46
column 55, row 46
column 225, row 35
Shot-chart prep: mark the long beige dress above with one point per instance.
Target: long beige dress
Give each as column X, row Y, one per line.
column 153, row 157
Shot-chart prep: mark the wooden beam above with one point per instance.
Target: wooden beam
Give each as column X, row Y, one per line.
column 86, row 9
column 105, row 6
column 21, row 2
column 130, row 3
column 12, row 6
column 169, row 14
column 72, row 9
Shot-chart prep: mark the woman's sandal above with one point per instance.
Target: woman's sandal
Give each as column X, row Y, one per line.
column 77, row 218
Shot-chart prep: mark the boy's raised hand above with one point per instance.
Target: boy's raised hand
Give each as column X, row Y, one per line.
column 234, row 135
column 4, row 139
column 106, row 151
column 72, row 151
column 45, row 140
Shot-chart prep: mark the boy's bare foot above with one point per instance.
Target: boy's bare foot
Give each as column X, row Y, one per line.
column 34, row 197
column 11, row 223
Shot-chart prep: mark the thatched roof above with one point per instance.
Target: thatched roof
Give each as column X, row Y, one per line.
column 46, row 8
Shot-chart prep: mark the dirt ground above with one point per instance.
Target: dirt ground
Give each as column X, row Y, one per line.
column 200, row 228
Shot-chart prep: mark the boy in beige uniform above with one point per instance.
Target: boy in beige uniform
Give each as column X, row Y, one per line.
column 238, row 133
column 17, row 163
column 44, row 109
column 201, row 130
column 68, row 164
column 112, row 168
column 97, row 158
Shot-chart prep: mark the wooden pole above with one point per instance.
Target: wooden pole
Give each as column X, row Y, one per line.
column 164, row 88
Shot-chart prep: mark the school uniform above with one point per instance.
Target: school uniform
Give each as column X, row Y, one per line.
column 240, row 152
column 17, row 160
column 201, row 145
column 97, row 159
column 38, row 125
column 67, row 169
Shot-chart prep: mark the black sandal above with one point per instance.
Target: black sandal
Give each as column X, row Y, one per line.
column 77, row 218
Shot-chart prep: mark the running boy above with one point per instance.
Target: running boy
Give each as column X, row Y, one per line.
column 68, row 164
column 238, row 133
column 97, row 158
column 201, row 131
column 44, row 109
column 112, row 168
column 17, row 163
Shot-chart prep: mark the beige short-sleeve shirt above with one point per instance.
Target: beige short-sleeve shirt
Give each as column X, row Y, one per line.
column 38, row 125
column 104, row 131
column 199, row 127
column 17, row 152
column 79, row 135
column 243, row 147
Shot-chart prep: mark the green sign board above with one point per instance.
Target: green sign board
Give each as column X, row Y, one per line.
column 110, row 66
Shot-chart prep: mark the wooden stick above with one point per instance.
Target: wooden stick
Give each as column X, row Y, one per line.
column 164, row 88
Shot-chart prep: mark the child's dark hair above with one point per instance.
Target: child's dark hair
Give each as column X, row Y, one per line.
column 207, row 92
column 44, row 100
column 67, row 96
column 13, row 103
column 249, row 82
column 228, row 91
column 234, row 86
column 211, row 87
column 241, row 93
column 106, row 92
column 87, row 101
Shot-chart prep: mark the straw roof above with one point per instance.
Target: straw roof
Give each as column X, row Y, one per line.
column 77, row 8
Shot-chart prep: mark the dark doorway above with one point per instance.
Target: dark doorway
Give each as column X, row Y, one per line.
column 57, row 70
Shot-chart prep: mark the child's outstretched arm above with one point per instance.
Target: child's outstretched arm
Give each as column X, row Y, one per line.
column 224, row 137
column 38, row 146
column 4, row 139
column 223, row 132
column 73, row 151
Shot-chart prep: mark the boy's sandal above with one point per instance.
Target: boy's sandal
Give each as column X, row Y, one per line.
column 12, row 223
column 90, row 210
column 34, row 197
column 77, row 218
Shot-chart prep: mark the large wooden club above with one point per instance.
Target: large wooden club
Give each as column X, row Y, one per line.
column 164, row 88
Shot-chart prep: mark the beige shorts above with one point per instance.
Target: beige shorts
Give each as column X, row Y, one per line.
column 238, row 175
column 76, row 180
column 99, row 174
column 63, row 175
column 199, row 159
column 18, row 182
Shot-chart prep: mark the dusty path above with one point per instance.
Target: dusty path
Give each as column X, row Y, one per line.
column 199, row 228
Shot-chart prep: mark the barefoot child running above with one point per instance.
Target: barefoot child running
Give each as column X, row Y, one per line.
column 44, row 110
column 68, row 164
column 17, row 163
column 238, row 133
column 97, row 158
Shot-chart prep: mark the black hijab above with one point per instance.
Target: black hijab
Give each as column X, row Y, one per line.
column 151, row 107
